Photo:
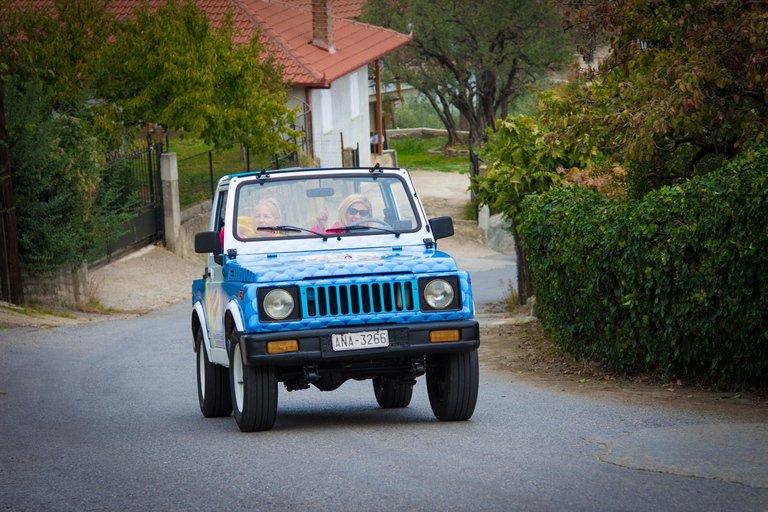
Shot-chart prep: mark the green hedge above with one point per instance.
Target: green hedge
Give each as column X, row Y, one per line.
column 676, row 283
column 63, row 206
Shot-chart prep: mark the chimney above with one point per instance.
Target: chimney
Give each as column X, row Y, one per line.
column 322, row 25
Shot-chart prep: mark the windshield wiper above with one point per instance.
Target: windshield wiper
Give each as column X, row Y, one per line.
column 291, row 229
column 377, row 228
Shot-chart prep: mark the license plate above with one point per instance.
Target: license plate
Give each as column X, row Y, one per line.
column 359, row 340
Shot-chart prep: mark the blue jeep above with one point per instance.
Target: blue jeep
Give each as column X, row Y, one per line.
column 317, row 276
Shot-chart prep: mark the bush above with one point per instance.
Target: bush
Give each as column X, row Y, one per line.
column 62, row 206
column 676, row 283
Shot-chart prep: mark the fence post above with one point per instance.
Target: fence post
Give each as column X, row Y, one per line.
column 169, row 174
column 210, row 171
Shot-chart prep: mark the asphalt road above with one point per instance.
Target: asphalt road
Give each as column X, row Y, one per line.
column 104, row 416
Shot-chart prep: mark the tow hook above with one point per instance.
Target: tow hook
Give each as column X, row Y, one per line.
column 418, row 366
column 310, row 373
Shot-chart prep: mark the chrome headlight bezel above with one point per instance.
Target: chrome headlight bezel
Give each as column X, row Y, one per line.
column 440, row 293
column 278, row 304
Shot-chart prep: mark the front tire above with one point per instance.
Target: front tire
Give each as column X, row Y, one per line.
column 452, row 385
column 391, row 394
column 213, row 392
column 254, row 391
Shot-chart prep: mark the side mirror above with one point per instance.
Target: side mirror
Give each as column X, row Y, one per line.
column 208, row 241
column 442, row 227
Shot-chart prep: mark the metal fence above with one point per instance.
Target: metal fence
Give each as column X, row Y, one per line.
column 198, row 174
column 130, row 180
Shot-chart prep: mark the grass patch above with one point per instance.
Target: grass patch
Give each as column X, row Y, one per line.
column 469, row 211
column 194, row 164
column 95, row 306
column 413, row 154
column 511, row 299
column 34, row 311
column 195, row 183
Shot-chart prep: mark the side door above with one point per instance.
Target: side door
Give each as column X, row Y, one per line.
column 215, row 301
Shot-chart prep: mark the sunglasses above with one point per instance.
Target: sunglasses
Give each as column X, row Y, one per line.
column 355, row 211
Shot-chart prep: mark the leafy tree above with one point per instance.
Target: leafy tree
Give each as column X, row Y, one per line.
column 685, row 85
column 99, row 77
column 171, row 66
column 53, row 46
column 62, row 209
column 523, row 160
column 478, row 55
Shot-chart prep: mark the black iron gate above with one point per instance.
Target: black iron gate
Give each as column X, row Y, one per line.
column 134, row 178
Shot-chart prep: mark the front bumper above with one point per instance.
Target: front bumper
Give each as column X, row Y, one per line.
column 406, row 340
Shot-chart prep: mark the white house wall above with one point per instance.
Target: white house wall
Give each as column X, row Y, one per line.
column 296, row 99
column 340, row 111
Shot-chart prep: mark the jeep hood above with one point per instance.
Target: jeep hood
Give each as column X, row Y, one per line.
column 337, row 263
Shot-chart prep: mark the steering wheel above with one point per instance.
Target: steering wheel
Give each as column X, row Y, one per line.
column 375, row 221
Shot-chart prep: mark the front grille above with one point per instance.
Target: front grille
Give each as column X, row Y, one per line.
column 360, row 298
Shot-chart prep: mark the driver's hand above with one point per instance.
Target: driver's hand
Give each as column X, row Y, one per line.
column 322, row 217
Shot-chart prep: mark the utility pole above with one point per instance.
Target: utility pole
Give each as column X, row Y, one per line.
column 11, row 285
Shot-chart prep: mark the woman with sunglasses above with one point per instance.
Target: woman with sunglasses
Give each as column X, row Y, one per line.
column 354, row 209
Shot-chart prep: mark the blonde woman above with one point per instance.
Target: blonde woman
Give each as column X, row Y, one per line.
column 354, row 209
column 265, row 214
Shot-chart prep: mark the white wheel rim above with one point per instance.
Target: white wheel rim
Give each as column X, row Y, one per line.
column 201, row 369
column 237, row 377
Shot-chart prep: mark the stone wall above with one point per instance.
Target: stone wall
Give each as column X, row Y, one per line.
column 193, row 220
column 419, row 133
column 66, row 287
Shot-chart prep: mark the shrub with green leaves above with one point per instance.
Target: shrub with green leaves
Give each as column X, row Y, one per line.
column 61, row 203
column 524, row 160
column 676, row 283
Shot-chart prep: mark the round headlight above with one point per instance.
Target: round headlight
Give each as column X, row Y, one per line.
column 278, row 304
column 438, row 294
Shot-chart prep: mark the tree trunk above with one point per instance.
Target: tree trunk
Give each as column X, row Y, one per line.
column 524, row 283
column 444, row 112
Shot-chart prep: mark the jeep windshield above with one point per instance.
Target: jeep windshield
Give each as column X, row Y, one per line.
column 330, row 206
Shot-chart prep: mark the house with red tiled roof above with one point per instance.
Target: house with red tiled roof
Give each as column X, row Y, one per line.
column 324, row 54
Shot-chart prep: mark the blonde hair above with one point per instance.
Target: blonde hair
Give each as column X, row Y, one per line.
column 349, row 201
column 271, row 204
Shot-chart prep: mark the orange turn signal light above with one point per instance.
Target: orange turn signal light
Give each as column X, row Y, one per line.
column 439, row 336
column 283, row 346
